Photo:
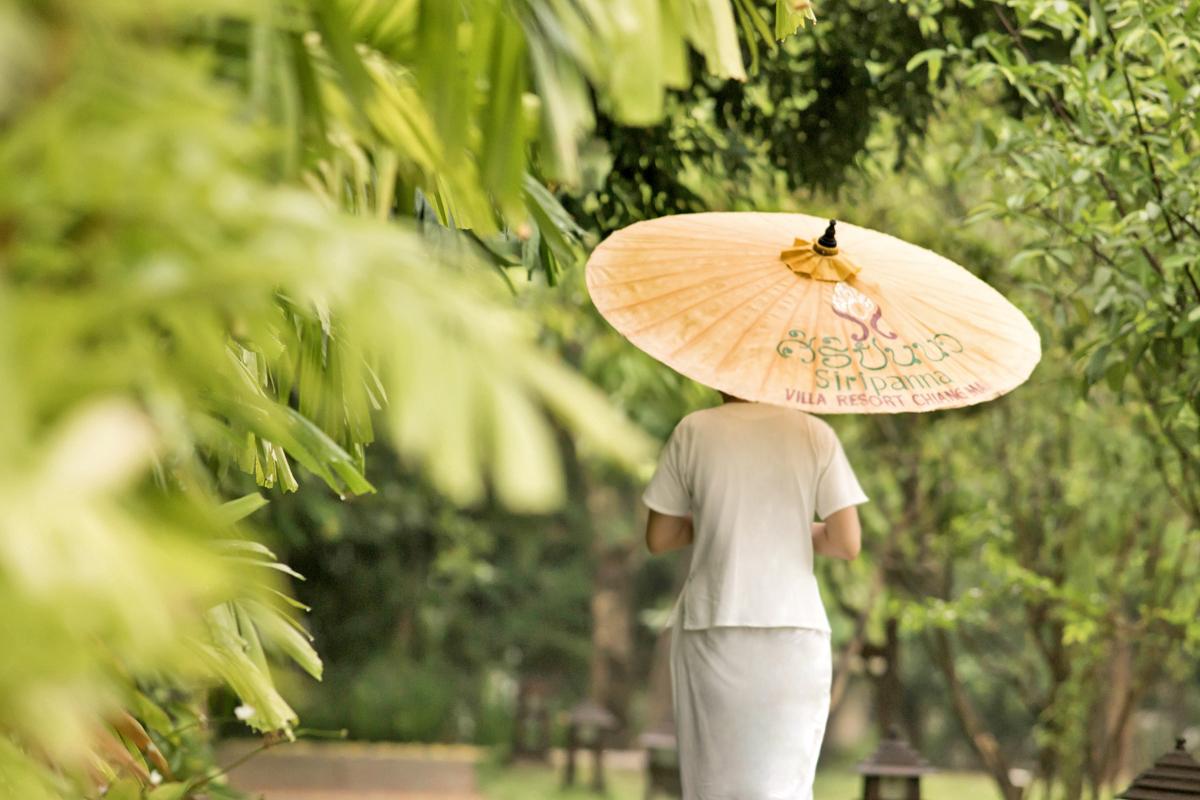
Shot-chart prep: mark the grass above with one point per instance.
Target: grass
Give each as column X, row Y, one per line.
column 535, row 782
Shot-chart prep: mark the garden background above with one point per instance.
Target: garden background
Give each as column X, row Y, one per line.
column 295, row 288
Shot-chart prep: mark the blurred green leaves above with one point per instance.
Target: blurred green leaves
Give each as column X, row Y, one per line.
column 233, row 236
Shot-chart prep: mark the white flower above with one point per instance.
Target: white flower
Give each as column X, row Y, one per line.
column 244, row 712
column 852, row 302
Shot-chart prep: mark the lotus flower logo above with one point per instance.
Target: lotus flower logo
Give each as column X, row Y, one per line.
column 851, row 304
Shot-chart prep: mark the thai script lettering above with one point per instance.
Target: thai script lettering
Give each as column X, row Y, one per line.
column 869, row 355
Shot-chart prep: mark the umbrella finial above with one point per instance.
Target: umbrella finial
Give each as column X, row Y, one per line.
column 827, row 244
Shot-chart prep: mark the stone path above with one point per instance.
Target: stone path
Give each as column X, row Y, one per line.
column 354, row 771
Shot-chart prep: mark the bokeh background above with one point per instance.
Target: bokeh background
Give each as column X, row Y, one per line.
column 294, row 288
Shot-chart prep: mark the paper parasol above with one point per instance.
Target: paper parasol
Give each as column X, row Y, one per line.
column 784, row 309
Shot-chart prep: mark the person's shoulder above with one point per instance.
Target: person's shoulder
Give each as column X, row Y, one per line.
column 699, row 415
column 698, row 420
column 686, row 424
column 818, row 429
column 695, row 419
column 816, row 423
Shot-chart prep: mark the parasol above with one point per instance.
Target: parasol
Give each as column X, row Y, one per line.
column 796, row 311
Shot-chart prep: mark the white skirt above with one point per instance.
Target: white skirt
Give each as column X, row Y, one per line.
column 750, row 710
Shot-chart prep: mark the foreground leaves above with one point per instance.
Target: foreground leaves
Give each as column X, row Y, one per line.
column 202, row 272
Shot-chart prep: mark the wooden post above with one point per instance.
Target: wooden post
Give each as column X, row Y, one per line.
column 569, row 772
column 598, row 763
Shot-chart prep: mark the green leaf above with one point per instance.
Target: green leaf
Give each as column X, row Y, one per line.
column 339, row 43
column 931, row 57
column 1115, row 374
column 291, row 601
column 713, row 31
column 788, row 20
column 245, row 547
column 237, row 510
column 169, row 791
column 150, row 713
column 503, row 119
column 1097, row 364
column 445, row 80
column 249, row 634
column 124, row 789
column 270, row 712
column 282, row 633
column 274, row 565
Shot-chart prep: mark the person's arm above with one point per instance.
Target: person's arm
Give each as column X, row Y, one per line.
column 665, row 532
column 839, row 536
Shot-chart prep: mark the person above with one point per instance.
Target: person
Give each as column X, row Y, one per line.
column 750, row 655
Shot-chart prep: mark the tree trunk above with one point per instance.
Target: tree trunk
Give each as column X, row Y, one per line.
column 1117, row 716
column 982, row 740
column 607, row 520
column 889, row 688
column 612, row 676
column 616, row 552
column 659, row 704
column 1123, row 691
column 854, row 647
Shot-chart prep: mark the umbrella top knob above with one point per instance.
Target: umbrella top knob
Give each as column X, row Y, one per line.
column 819, row 260
column 827, row 245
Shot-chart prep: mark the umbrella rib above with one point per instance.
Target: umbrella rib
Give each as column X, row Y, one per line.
column 814, row 320
column 970, row 315
column 771, row 364
column 982, row 314
column 723, row 317
column 703, row 243
column 642, row 278
column 774, row 304
column 959, row 285
column 977, row 305
column 980, row 353
column 686, row 309
column 990, row 311
column 682, row 231
column 645, row 300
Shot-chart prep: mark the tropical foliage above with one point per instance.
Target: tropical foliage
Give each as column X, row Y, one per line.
column 1103, row 162
column 1093, row 173
column 1033, row 558
column 229, row 243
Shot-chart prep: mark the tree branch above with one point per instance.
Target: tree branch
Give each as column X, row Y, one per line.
column 982, row 740
column 1072, row 129
column 1089, row 243
column 1186, row 465
column 841, row 678
column 1059, row 110
column 1137, row 115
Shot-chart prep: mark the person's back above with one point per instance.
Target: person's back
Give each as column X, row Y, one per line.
column 750, row 656
column 752, row 476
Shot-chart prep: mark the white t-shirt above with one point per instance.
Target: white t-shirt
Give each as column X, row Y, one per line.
column 752, row 476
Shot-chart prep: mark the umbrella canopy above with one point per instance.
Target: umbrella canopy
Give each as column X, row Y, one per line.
column 786, row 309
